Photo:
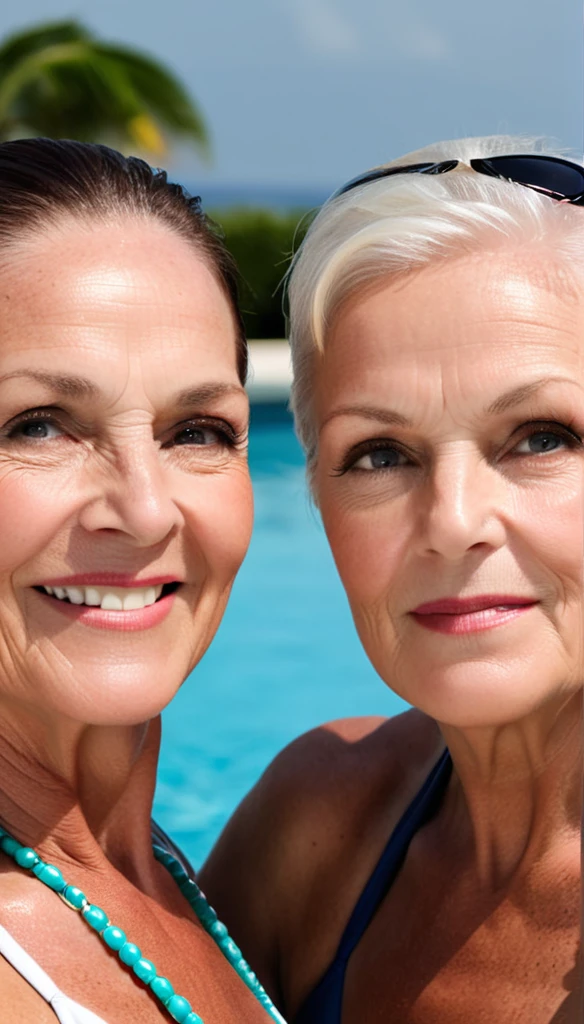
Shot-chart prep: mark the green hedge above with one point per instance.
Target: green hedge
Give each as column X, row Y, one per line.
column 262, row 243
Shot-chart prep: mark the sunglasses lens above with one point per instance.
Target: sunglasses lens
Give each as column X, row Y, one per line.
column 548, row 174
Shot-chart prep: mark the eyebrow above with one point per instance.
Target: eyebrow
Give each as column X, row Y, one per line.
column 516, row 396
column 508, row 400
column 369, row 412
column 70, row 386
column 63, row 384
column 202, row 393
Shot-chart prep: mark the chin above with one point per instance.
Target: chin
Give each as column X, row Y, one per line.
column 476, row 694
column 125, row 703
column 117, row 692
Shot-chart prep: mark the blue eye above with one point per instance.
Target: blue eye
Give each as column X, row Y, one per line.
column 544, row 442
column 197, row 436
column 380, row 459
column 36, row 428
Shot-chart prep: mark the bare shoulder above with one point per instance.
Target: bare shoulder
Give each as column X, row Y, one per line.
column 322, row 778
column 313, row 810
column 20, row 1003
column 378, row 745
column 349, row 758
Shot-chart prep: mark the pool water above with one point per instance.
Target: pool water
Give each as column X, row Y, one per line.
column 285, row 659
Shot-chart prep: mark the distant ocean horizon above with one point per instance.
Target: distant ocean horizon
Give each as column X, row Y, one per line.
column 280, row 198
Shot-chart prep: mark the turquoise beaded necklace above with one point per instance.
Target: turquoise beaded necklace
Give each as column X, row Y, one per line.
column 178, row 1008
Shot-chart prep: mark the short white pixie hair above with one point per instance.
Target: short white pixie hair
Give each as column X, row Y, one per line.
column 401, row 223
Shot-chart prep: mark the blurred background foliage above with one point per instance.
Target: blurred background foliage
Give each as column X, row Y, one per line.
column 61, row 81
column 262, row 242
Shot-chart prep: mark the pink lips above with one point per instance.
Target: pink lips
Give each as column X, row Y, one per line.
column 108, row 579
column 455, row 615
column 143, row 618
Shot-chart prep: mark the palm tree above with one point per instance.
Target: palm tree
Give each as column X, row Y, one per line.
column 60, row 81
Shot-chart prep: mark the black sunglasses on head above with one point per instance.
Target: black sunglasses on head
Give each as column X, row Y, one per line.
column 551, row 175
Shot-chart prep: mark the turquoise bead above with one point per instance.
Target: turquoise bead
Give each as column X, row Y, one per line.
column 177, row 871
column 95, row 917
column 179, row 1008
column 144, row 970
column 218, row 931
column 162, row 989
column 243, row 970
column 26, row 857
column 190, row 886
column 206, row 914
column 74, row 896
column 199, row 904
column 230, row 949
column 129, row 954
column 10, row 845
column 113, row 937
column 50, row 875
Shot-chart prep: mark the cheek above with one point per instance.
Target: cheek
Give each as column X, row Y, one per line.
column 551, row 528
column 220, row 520
column 33, row 506
column 369, row 548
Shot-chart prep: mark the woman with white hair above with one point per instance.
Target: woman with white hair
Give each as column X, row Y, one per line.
column 427, row 868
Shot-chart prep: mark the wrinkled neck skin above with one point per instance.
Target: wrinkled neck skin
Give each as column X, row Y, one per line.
column 516, row 795
column 76, row 793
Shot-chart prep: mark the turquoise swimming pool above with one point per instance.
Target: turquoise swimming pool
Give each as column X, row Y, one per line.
column 285, row 659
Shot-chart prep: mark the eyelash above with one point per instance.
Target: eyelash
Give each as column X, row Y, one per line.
column 531, row 429
column 229, row 437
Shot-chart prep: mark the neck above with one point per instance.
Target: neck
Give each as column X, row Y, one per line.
column 76, row 792
column 517, row 792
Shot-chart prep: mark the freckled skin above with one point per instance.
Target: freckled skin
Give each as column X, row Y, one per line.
column 483, row 921
column 106, row 486
column 143, row 317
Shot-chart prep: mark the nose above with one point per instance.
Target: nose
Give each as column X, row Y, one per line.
column 464, row 508
column 132, row 495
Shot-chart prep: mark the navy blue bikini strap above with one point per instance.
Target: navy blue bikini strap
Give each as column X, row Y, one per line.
column 416, row 814
column 324, row 1004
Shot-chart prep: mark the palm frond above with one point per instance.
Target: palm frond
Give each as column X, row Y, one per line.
column 58, row 80
column 162, row 92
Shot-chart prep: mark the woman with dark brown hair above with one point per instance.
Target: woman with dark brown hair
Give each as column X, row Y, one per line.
column 126, row 510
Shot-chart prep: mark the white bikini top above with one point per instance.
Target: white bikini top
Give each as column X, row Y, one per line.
column 66, row 1009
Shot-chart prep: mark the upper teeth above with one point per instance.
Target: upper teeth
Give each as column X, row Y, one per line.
column 111, row 599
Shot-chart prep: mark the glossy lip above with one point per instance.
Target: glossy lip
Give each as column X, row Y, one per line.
column 143, row 618
column 108, row 579
column 468, row 605
column 455, row 616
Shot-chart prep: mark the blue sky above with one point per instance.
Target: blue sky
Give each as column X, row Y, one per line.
column 309, row 92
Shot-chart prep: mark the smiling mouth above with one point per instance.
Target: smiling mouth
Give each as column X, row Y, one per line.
column 108, row 598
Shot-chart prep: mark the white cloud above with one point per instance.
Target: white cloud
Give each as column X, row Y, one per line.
column 325, row 28
column 417, row 38
column 373, row 31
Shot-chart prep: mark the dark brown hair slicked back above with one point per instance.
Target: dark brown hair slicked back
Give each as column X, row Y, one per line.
column 44, row 179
